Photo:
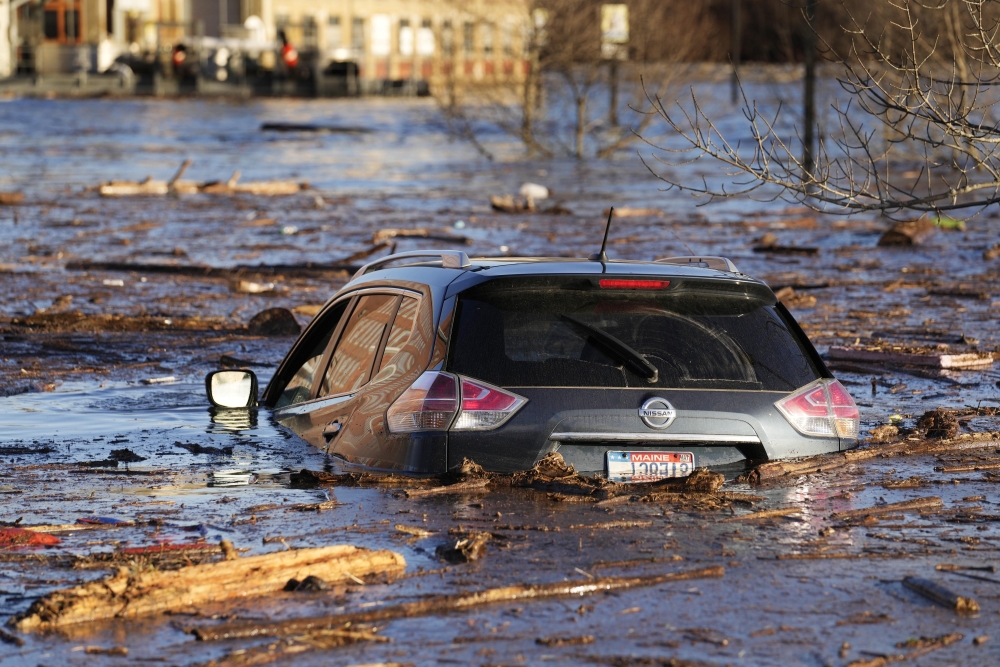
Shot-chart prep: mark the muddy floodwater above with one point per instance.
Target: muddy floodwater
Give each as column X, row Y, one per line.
column 113, row 309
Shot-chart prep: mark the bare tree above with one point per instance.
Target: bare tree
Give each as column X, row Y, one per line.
column 559, row 105
column 916, row 132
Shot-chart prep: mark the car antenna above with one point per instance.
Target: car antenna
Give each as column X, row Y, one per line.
column 603, row 256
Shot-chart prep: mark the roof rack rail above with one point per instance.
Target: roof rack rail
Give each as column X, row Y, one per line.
column 450, row 259
column 717, row 263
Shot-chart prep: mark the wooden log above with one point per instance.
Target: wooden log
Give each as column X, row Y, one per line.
column 786, row 250
column 773, row 470
column 133, row 188
column 972, row 467
column 909, row 233
column 8, row 638
column 628, row 212
column 414, row 531
column 322, row 640
column 472, row 486
column 69, row 527
column 928, row 646
column 510, row 204
column 11, row 198
column 270, row 188
column 441, row 604
column 202, row 271
column 948, row 567
column 383, row 235
column 125, row 596
column 964, row 291
column 186, row 187
column 931, row 502
column 827, row 555
column 263, row 188
column 934, row 359
column 941, row 595
column 220, row 187
column 763, row 514
column 172, row 183
column 310, row 127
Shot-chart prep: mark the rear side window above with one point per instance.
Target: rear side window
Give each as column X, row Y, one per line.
column 551, row 337
column 352, row 360
column 402, row 327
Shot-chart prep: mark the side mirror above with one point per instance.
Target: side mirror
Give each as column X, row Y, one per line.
column 232, row 389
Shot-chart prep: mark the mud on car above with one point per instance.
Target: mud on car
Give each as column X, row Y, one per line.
column 627, row 368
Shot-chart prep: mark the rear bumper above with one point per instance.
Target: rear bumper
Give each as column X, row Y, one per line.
column 718, row 427
column 590, row 458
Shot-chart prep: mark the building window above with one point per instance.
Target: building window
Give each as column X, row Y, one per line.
column 310, row 32
column 405, row 38
column 358, row 35
column 61, row 22
column 447, row 38
column 51, row 24
column 334, row 36
column 381, row 26
column 468, row 38
column 488, row 31
column 507, row 38
column 425, row 38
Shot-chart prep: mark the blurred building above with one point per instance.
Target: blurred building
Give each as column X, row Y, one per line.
column 60, row 36
column 393, row 42
column 372, row 45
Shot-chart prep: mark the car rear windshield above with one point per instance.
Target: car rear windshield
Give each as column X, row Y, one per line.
column 514, row 334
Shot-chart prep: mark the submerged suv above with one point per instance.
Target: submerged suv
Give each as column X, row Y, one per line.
column 633, row 369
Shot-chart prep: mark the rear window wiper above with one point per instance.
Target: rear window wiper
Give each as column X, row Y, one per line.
column 636, row 363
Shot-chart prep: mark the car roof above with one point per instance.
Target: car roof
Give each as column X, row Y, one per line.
column 441, row 267
column 513, row 266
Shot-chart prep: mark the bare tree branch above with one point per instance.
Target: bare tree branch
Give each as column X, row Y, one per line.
column 917, row 133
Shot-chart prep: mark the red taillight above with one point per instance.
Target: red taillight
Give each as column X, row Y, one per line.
column 485, row 407
column 619, row 283
column 823, row 409
column 429, row 404
column 477, row 396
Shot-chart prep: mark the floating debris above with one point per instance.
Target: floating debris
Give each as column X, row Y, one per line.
column 912, row 355
column 440, row 604
column 941, row 595
column 909, row 233
column 274, row 322
column 131, row 595
column 22, row 537
column 464, row 549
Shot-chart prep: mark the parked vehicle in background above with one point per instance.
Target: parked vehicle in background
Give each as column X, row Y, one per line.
column 637, row 370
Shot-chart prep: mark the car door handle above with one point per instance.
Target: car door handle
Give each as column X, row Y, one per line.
column 331, row 430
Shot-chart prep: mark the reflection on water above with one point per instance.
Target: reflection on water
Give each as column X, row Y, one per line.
column 224, row 419
column 232, row 478
column 171, row 429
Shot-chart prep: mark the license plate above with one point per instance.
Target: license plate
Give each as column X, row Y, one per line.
column 648, row 466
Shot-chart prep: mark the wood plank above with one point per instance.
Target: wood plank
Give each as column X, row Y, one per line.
column 126, row 595
column 935, row 359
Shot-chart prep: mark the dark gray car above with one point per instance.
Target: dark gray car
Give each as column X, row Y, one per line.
column 633, row 369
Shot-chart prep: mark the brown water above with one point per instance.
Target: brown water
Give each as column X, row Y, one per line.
column 85, row 397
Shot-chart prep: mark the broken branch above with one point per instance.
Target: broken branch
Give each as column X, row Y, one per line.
column 448, row 603
column 129, row 596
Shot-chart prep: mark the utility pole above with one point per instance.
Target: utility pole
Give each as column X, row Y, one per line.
column 613, row 83
column 6, row 48
column 614, row 47
column 809, row 94
column 735, row 46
